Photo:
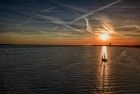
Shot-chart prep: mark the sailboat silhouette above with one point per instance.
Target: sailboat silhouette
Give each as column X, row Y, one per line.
column 104, row 59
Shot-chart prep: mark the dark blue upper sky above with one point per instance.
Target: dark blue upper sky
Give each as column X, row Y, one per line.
column 39, row 16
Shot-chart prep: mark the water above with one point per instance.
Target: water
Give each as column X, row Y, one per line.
column 69, row 70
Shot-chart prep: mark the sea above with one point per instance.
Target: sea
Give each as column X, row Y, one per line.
column 69, row 70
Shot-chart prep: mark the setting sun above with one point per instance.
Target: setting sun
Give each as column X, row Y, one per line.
column 104, row 37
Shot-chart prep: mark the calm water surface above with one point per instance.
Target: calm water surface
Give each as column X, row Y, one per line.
column 69, row 70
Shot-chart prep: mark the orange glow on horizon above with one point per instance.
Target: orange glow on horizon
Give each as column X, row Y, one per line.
column 39, row 39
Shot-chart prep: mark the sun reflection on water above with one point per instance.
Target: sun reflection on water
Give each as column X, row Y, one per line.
column 103, row 72
column 104, row 51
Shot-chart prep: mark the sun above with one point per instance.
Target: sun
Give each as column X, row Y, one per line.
column 104, row 37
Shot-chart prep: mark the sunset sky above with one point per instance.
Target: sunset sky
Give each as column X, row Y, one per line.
column 69, row 22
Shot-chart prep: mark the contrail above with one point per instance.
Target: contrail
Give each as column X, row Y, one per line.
column 89, row 28
column 73, row 28
column 104, row 7
column 109, row 29
column 122, row 35
column 75, row 10
column 52, row 19
column 137, row 28
column 58, row 22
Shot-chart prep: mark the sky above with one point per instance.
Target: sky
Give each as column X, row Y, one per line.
column 69, row 22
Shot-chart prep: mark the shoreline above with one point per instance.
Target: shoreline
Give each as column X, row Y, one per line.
column 34, row 45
